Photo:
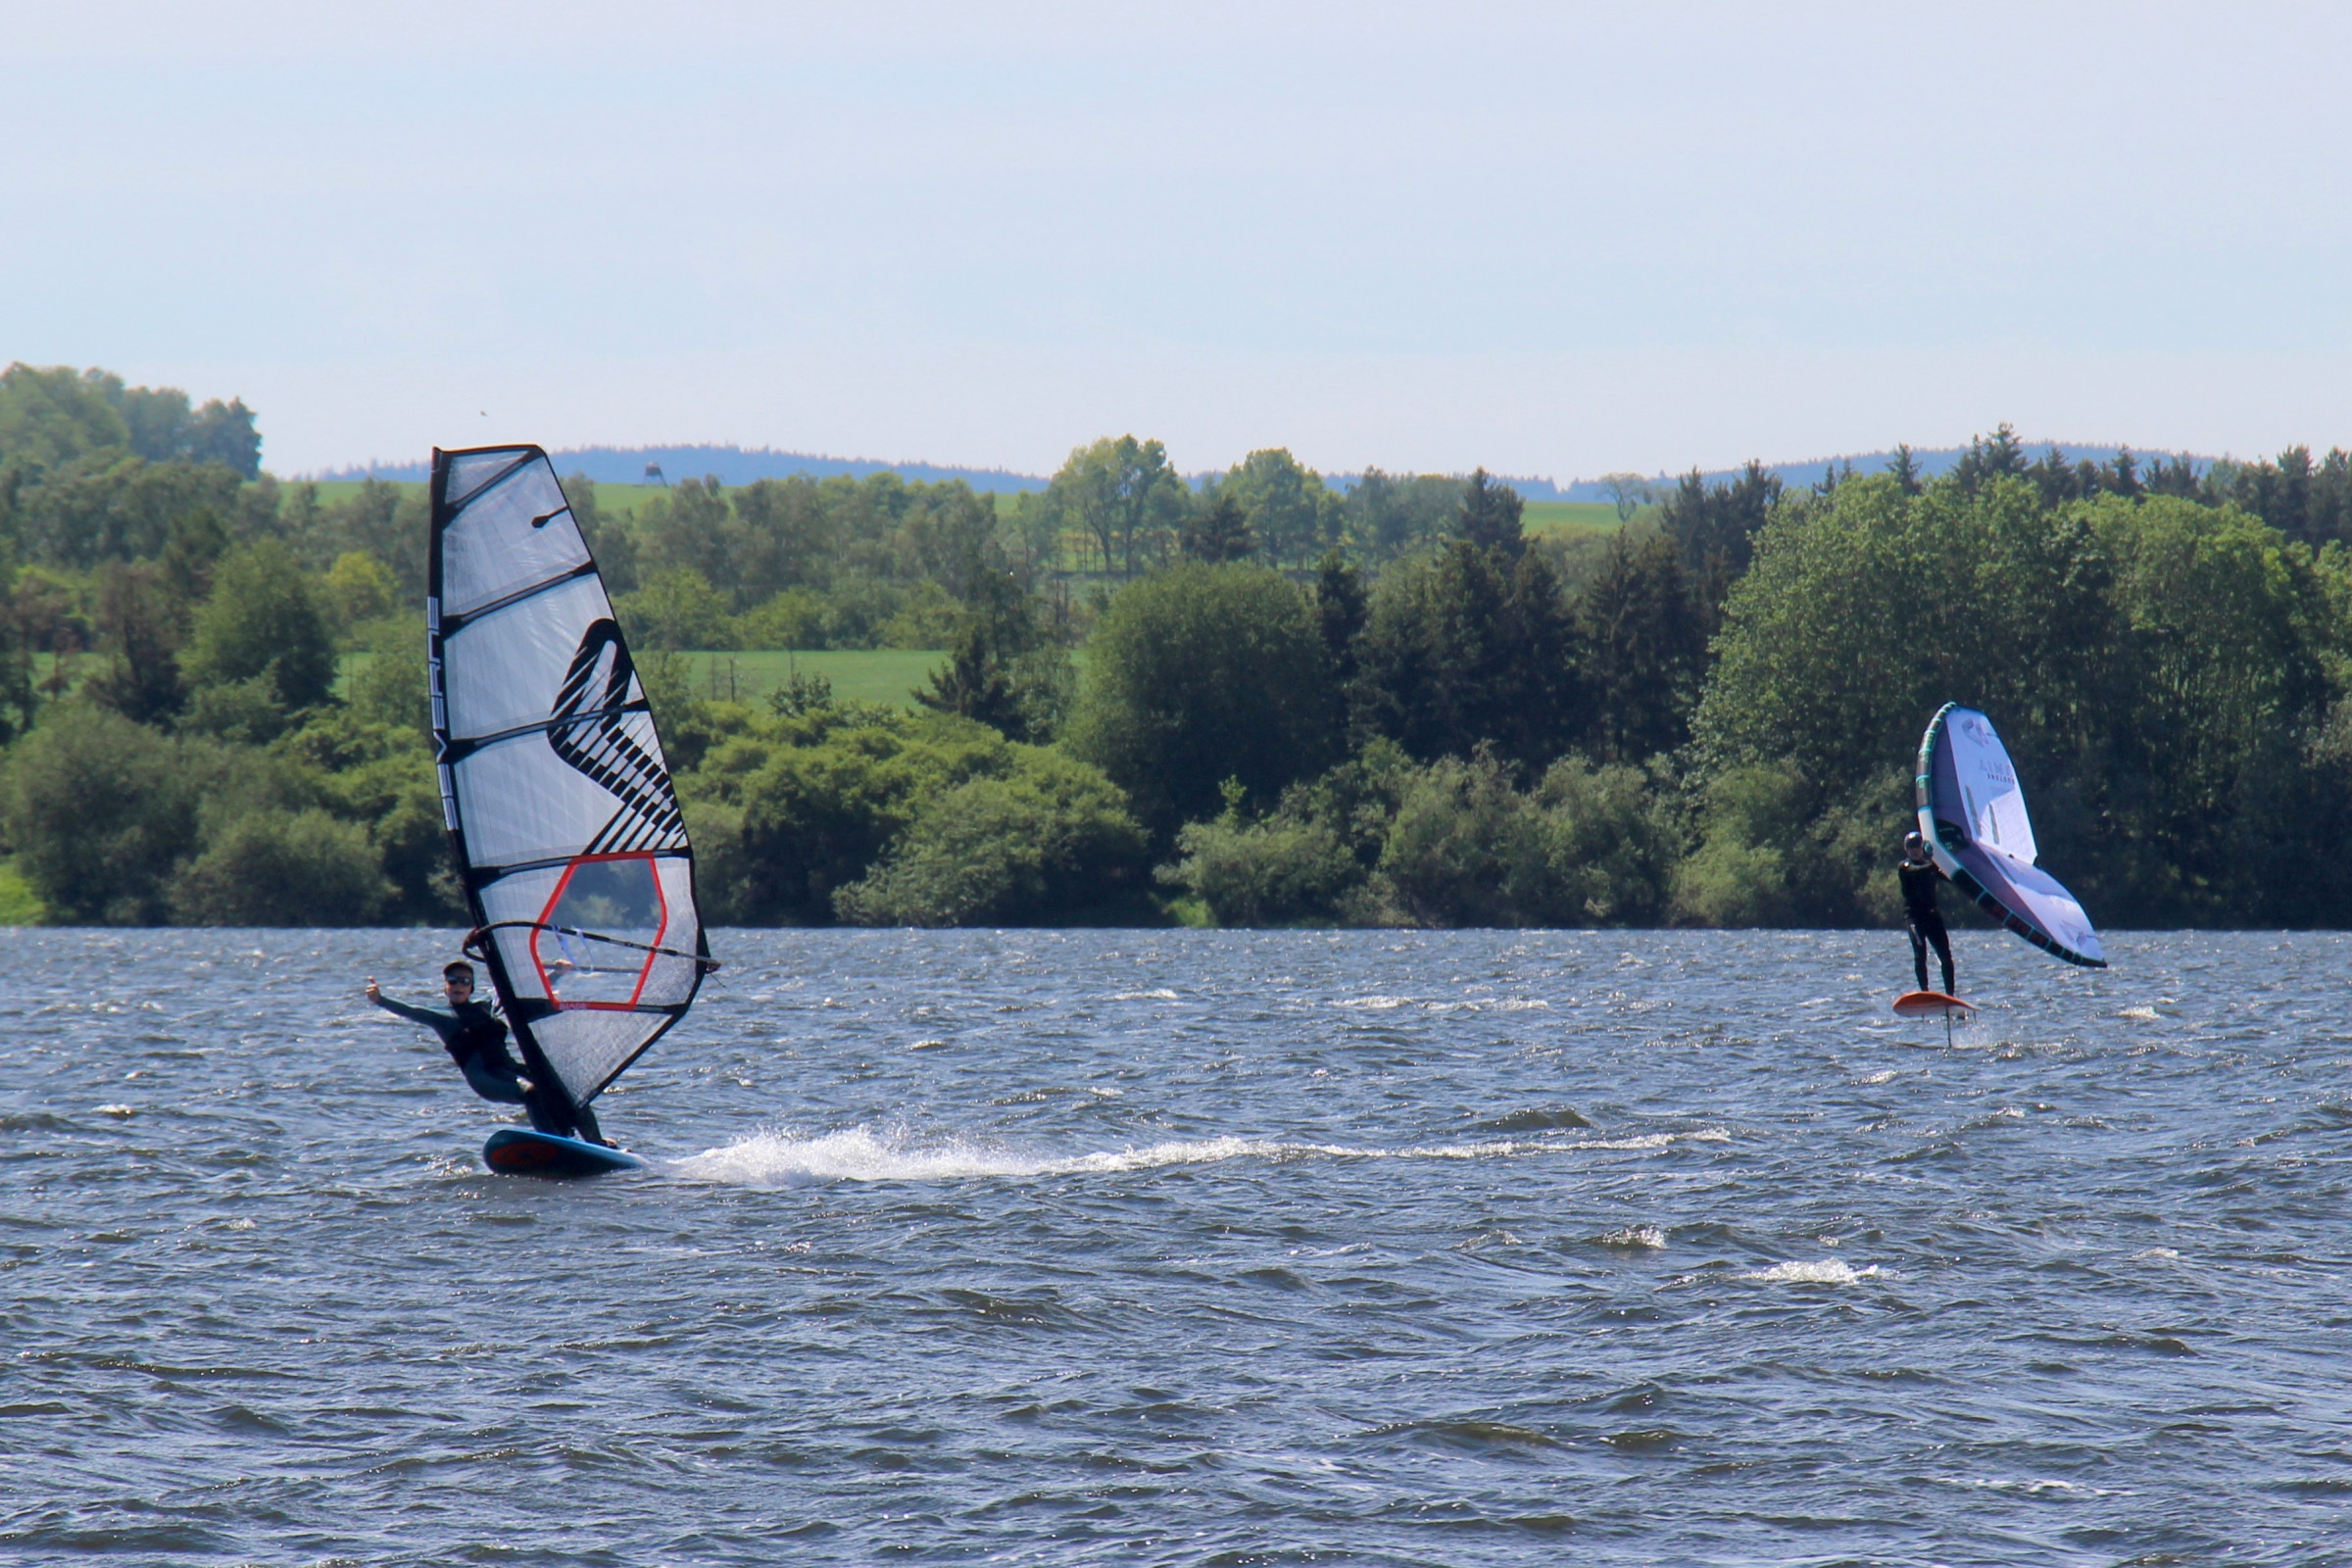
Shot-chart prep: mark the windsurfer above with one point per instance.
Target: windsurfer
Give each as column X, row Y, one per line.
column 475, row 1038
column 1919, row 875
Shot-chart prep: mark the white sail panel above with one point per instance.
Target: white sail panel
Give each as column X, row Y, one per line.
column 533, row 640
column 1993, row 800
column 568, row 834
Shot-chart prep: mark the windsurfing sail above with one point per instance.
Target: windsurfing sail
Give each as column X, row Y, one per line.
column 569, row 837
column 1972, row 813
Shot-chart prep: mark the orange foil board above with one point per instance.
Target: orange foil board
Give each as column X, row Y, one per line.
column 1930, row 1004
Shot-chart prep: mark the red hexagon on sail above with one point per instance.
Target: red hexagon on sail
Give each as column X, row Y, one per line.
column 591, row 946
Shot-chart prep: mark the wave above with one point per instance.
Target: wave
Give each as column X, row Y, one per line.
column 860, row 1155
column 1826, row 1271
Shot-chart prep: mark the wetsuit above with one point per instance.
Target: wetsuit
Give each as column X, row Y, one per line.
column 1927, row 921
column 475, row 1038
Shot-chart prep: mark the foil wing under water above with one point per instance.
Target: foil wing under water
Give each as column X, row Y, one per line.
column 1972, row 812
column 569, row 837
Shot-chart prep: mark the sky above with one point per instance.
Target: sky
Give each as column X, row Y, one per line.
column 1550, row 239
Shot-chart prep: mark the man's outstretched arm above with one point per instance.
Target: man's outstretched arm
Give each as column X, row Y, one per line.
column 441, row 1023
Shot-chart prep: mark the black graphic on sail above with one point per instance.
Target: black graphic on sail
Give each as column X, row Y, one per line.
column 569, row 838
column 588, row 730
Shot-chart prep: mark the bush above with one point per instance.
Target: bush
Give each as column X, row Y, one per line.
column 928, row 618
column 1051, row 841
column 100, row 810
column 809, row 805
column 1285, row 870
column 1610, row 844
column 1379, row 841
column 244, row 712
column 1465, row 848
column 282, row 868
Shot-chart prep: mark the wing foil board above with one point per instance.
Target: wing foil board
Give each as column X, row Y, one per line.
column 1972, row 812
column 1931, row 1005
column 519, row 1151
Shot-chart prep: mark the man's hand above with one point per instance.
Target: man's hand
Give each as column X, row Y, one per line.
column 374, row 992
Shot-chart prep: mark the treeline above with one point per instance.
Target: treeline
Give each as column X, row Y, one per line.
column 882, row 562
column 1390, row 705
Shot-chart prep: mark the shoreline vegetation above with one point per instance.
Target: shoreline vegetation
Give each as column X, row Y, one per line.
column 1138, row 698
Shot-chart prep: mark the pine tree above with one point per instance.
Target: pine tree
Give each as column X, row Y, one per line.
column 1490, row 517
column 1219, row 533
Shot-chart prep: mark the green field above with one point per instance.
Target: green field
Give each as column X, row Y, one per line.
column 1552, row 518
column 886, row 675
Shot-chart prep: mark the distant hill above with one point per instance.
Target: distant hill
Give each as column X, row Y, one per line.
column 1931, row 462
column 730, row 464
column 739, row 466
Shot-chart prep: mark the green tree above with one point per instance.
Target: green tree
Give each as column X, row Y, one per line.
column 1471, row 647
column 50, row 417
column 141, row 620
column 1385, row 515
column 1285, row 503
column 1219, row 532
column 1630, row 492
column 1291, row 867
column 676, row 610
column 1200, row 673
column 1340, row 608
column 1490, row 517
column 360, row 588
column 264, row 618
column 783, row 819
column 690, row 527
column 1715, row 526
column 1123, row 493
column 1463, row 846
column 787, row 539
column 1643, row 649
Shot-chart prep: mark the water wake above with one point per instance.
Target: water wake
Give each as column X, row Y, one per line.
column 860, row 1155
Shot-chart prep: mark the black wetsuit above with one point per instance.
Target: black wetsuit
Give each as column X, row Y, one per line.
column 1927, row 921
column 475, row 1038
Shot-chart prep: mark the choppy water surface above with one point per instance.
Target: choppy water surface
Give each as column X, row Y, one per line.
column 1144, row 1247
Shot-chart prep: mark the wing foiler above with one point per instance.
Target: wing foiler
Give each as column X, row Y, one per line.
column 568, row 836
column 1972, row 813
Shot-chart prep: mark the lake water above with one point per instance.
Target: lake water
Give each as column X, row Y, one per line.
column 1191, row 1248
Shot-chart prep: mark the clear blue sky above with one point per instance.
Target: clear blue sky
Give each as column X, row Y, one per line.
column 1554, row 239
